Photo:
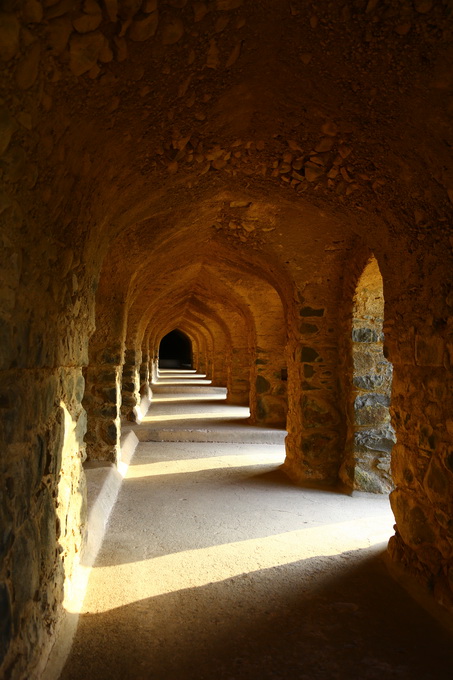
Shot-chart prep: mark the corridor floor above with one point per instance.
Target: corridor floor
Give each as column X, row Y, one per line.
column 216, row 567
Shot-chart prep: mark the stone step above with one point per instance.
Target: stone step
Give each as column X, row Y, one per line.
column 187, row 388
column 232, row 434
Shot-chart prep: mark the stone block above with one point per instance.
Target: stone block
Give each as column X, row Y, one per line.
column 376, row 439
column 5, row 621
column 320, row 452
column 308, row 328
column 369, row 382
column 110, row 395
column 429, row 350
column 84, row 51
column 81, row 427
column 412, row 519
column 438, row 483
column 79, row 387
column 47, row 533
column 308, row 354
column 112, row 434
column 271, row 410
column 6, row 528
column 367, row 479
column 318, row 413
column 25, row 568
column 55, row 444
column 262, row 385
column 365, row 335
column 371, row 409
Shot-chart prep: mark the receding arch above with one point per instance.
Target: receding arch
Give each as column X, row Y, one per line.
column 175, row 350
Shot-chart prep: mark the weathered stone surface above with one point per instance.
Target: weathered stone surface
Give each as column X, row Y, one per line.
column 414, row 525
column 172, row 31
column 317, row 413
column 429, row 351
column 32, row 12
column 308, row 354
column 144, row 28
column 308, row 328
column 5, row 621
column 364, row 335
column 7, row 128
column 371, row 408
column 25, row 568
column 368, row 382
column 310, row 311
column 262, row 385
column 371, row 400
column 57, row 35
column 47, row 533
column 9, row 36
column 186, row 200
column 366, row 479
column 112, row 9
column 14, row 164
column 85, row 23
column 6, row 530
column 84, row 51
column 376, row 439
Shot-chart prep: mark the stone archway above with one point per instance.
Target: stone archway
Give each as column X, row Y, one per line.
column 373, row 436
column 175, row 350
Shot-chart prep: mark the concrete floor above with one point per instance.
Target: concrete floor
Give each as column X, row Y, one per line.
column 215, row 566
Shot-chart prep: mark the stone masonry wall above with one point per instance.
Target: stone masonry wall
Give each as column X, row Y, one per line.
column 373, row 435
column 316, row 431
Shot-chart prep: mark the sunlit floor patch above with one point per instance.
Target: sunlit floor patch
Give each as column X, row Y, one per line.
column 194, row 568
column 216, row 566
column 186, row 466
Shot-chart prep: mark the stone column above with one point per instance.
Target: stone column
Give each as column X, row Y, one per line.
column 103, row 404
column 373, row 435
column 316, row 427
column 220, row 368
column 422, row 461
column 130, row 392
column 270, row 393
column 239, row 392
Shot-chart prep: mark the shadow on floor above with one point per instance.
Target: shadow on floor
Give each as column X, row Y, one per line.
column 278, row 478
column 330, row 618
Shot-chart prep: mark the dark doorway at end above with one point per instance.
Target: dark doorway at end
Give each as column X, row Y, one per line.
column 175, row 350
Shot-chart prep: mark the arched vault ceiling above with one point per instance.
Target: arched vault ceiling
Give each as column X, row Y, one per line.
column 162, row 109
column 155, row 310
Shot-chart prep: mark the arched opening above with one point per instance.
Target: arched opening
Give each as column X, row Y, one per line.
column 175, row 350
column 373, row 435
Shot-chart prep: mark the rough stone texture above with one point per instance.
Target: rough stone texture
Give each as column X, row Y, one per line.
column 368, row 381
column 230, row 178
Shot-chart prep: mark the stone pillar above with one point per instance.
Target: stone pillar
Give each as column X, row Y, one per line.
column 270, row 392
column 130, row 393
column 202, row 362
column 145, row 377
column 422, row 461
column 42, row 506
column 239, row 392
column 373, row 435
column 103, row 404
column 153, row 367
column 220, row 369
column 144, row 371
column 316, row 428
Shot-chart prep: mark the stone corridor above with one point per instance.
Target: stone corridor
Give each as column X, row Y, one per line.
column 266, row 185
column 214, row 565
